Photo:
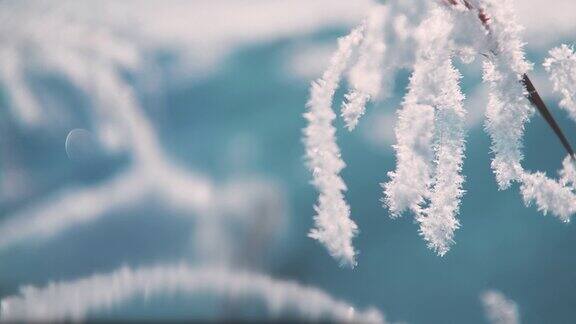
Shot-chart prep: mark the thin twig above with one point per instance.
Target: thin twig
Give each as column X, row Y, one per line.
column 533, row 95
column 537, row 101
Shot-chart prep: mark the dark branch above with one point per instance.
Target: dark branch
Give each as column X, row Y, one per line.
column 537, row 101
column 533, row 95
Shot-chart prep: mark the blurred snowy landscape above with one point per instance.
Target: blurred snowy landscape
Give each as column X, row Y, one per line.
column 166, row 136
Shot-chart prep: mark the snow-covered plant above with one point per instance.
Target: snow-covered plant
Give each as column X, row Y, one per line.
column 335, row 228
column 426, row 37
column 75, row 300
column 562, row 68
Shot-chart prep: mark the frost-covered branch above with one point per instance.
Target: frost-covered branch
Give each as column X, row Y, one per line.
column 334, row 228
column 410, row 183
column 71, row 208
column 548, row 194
column 508, row 111
column 561, row 65
column 424, row 36
column 508, row 108
column 76, row 300
column 366, row 75
column 430, row 138
column 438, row 222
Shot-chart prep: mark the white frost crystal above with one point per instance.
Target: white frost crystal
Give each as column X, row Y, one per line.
column 426, row 36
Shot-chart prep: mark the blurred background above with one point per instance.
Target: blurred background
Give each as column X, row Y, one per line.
column 148, row 132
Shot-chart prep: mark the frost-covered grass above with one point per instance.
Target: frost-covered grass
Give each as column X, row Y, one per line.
column 426, row 37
